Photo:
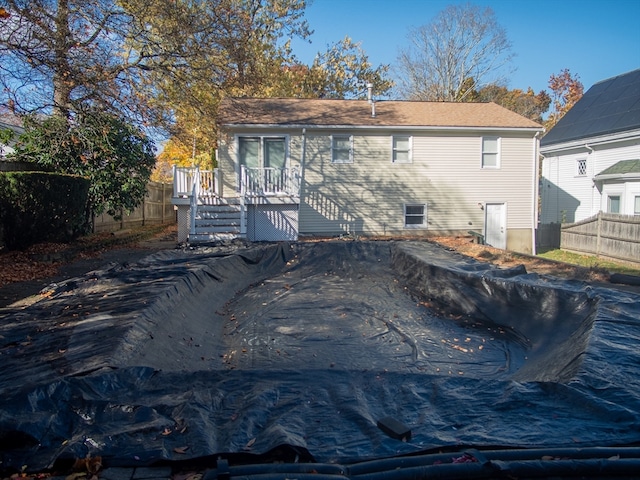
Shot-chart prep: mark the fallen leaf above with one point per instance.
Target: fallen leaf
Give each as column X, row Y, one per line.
column 250, row 443
column 166, row 431
column 181, row 450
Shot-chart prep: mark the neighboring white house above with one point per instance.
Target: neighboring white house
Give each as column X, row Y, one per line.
column 333, row 167
column 592, row 156
column 5, row 124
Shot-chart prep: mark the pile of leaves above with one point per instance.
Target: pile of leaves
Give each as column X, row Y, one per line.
column 44, row 259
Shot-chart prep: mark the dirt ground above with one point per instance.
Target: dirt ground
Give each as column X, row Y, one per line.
column 485, row 253
column 24, row 274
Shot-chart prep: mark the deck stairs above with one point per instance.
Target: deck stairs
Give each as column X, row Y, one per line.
column 219, row 221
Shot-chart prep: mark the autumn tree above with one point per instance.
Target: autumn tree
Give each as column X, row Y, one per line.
column 526, row 103
column 460, row 51
column 67, row 56
column 250, row 56
column 78, row 67
column 566, row 90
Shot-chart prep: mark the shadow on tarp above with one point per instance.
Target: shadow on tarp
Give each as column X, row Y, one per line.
column 242, row 350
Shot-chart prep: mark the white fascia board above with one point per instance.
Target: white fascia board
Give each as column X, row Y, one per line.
column 617, row 176
column 590, row 142
column 268, row 126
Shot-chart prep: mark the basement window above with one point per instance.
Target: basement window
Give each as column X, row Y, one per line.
column 415, row 215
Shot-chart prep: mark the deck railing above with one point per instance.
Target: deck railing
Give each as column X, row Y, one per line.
column 268, row 181
column 254, row 182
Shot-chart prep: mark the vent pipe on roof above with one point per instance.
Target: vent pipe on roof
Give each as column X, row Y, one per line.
column 370, row 99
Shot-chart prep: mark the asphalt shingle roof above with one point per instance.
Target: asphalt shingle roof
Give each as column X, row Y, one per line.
column 608, row 107
column 323, row 112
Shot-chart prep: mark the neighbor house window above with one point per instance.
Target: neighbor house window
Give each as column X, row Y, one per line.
column 401, row 149
column 490, row 152
column 636, row 205
column 613, row 204
column 415, row 216
column 341, row 149
column 581, row 167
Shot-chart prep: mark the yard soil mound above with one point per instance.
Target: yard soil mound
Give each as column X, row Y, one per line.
column 485, row 253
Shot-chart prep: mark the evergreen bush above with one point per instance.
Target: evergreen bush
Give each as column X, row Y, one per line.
column 41, row 206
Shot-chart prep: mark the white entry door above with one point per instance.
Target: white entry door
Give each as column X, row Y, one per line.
column 495, row 225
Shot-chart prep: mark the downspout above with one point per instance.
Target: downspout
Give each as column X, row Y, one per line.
column 536, row 183
column 593, row 184
column 302, row 168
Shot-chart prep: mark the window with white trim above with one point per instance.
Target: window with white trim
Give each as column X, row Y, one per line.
column 490, row 152
column 636, row 205
column 581, row 167
column 415, row 215
column 261, row 152
column 257, row 154
column 401, row 149
column 613, row 204
column 341, row 148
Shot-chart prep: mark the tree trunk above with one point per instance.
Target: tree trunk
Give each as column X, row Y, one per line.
column 62, row 78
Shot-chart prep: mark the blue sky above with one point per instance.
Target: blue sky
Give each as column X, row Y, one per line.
column 596, row 39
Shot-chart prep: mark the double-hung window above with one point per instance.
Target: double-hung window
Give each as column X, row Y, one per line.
column 401, row 149
column 613, row 204
column 415, row 215
column 341, row 149
column 636, row 205
column 490, row 152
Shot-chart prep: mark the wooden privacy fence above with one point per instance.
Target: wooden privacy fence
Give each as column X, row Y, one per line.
column 548, row 236
column 605, row 234
column 156, row 208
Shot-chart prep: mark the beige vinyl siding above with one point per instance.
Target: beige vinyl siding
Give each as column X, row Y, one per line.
column 369, row 195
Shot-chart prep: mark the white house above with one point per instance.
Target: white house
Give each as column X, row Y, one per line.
column 9, row 123
column 592, row 156
column 308, row 167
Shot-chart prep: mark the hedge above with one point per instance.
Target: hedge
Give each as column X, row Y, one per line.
column 40, row 206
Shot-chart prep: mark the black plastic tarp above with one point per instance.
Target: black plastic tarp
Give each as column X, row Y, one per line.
column 190, row 353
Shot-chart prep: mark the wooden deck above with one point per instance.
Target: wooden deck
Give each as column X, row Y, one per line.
column 206, row 213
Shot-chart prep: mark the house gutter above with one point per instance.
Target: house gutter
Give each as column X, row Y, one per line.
column 272, row 126
column 592, row 141
column 617, row 176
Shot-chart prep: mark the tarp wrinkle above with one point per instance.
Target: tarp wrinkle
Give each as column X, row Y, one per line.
column 308, row 345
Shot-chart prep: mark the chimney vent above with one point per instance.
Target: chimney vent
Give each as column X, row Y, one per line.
column 371, row 100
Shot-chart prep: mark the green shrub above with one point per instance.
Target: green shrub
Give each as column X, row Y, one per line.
column 39, row 206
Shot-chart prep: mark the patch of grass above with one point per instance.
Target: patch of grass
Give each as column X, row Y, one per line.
column 589, row 261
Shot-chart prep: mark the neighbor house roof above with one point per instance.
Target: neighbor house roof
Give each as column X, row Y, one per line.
column 608, row 107
column 621, row 169
column 358, row 113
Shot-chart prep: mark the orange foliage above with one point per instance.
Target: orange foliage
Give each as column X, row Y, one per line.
column 173, row 153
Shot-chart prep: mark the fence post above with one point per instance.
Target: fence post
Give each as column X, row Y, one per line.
column 598, row 232
column 164, row 205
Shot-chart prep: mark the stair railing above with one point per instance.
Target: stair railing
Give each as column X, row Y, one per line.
column 195, row 192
